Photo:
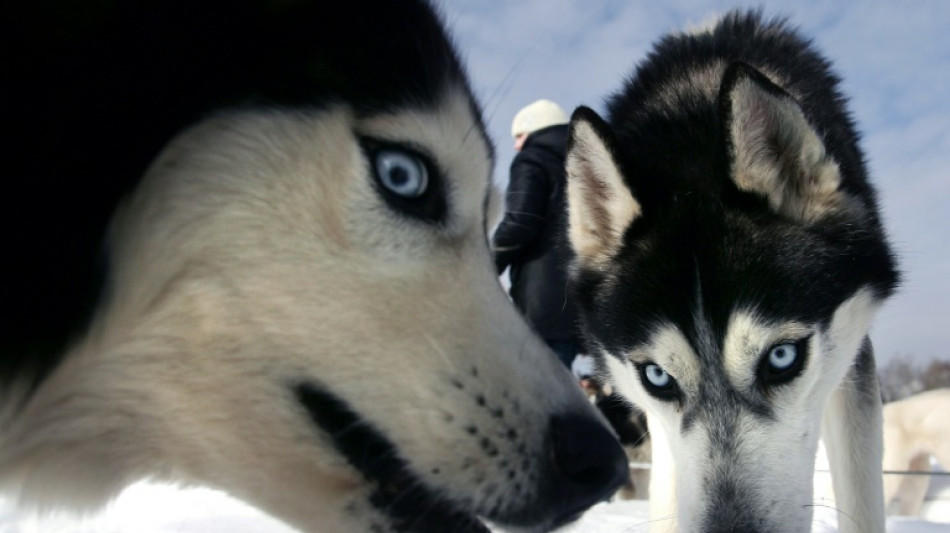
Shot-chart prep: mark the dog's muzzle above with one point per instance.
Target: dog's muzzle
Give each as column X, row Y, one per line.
column 581, row 464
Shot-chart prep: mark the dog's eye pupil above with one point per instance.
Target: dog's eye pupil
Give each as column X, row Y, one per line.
column 402, row 173
column 398, row 176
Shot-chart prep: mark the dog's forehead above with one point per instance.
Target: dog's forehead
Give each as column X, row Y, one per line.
column 698, row 306
column 709, row 265
column 692, row 357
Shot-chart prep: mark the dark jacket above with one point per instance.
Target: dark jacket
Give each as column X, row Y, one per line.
column 532, row 237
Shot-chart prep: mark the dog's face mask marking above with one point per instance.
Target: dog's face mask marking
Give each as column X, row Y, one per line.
column 728, row 267
column 741, row 422
column 302, row 311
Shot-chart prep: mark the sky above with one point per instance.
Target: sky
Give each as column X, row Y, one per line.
column 893, row 57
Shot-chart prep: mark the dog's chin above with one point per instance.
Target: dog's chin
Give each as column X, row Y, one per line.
column 409, row 504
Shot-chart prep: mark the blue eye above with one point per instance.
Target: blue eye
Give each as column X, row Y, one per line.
column 783, row 356
column 658, row 382
column 407, row 180
column 783, row 362
column 657, row 376
column 401, row 173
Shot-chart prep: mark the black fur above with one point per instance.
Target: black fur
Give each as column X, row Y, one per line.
column 399, row 493
column 629, row 423
column 700, row 236
column 93, row 90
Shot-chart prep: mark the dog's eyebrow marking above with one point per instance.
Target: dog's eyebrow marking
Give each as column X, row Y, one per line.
column 741, row 347
column 748, row 335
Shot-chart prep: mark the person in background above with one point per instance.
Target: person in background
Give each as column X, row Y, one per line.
column 531, row 238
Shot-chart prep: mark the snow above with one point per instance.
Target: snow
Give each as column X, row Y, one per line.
column 157, row 508
column 152, row 508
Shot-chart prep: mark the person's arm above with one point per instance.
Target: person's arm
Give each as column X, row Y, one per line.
column 526, row 203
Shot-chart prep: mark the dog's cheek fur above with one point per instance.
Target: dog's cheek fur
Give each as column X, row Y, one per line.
column 172, row 357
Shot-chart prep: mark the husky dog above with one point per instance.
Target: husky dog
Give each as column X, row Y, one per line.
column 730, row 258
column 295, row 299
column 915, row 429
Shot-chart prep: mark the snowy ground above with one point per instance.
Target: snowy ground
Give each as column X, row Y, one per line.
column 145, row 508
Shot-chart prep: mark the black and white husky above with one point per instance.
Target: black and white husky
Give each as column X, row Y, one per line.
column 730, row 260
column 294, row 300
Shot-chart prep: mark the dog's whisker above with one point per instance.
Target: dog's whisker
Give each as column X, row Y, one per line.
column 838, row 511
column 453, row 370
column 641, row 439
column 634, row 527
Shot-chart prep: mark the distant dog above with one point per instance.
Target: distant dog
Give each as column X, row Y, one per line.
column 915, row 429
column 294, row 302
column 730, row 258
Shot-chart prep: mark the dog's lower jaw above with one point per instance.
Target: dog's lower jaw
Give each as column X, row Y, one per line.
column 406, row 503
column 586, row 465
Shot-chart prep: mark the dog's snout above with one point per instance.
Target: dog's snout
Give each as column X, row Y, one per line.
column 589, row 461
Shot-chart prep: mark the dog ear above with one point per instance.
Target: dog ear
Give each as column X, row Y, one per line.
column 773, row 150
column 600, row 205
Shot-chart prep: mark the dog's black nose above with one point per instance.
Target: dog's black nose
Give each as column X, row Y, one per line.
column 589, row 460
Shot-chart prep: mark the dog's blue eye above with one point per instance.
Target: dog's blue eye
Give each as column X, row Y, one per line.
column 783, row 362
column 406, row 179
column 402, row 173
column 783, row 356
column 657, row 376
column 657, row 381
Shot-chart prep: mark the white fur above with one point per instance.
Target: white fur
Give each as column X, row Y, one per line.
column 257, row 253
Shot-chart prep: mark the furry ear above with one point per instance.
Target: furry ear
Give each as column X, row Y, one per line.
column 774, row 151
column 600, row 206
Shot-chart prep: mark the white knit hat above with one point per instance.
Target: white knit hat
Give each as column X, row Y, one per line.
column 537, row 116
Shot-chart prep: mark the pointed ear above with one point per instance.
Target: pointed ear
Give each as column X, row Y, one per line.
column 773, row 150
column 600, row 205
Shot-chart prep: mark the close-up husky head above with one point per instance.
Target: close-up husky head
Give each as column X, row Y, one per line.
column 730, row 258
column 249, row 252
